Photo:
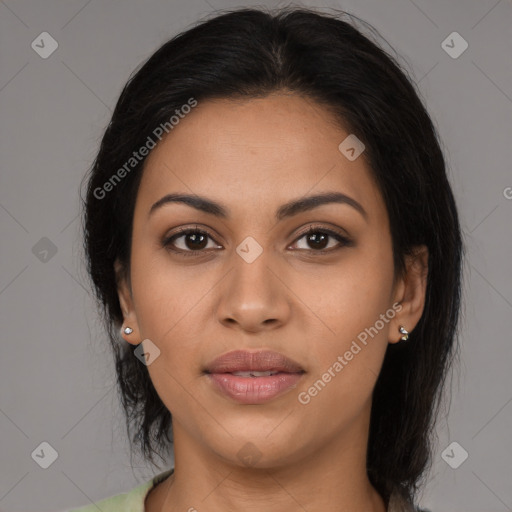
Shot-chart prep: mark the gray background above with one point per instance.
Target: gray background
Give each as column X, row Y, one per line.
column 57, row 379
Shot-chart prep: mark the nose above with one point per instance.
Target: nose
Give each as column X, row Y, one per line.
column 253, row 297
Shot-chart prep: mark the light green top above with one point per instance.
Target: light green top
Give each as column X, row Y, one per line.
column 132, row 501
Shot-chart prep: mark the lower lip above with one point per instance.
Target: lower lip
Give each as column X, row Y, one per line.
column 254, row 390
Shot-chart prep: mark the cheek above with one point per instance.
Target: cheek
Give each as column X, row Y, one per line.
column 172, row 303
column 356, row 310
column 353, row 297
column 163, row 294
column 347, row 362
column 165, row 301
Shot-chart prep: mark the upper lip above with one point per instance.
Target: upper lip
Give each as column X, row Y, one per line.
column 261, row 361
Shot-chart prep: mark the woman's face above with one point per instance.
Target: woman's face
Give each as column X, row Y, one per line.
column 258, row 282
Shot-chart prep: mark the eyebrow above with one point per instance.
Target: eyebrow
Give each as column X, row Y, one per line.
column 285, row 211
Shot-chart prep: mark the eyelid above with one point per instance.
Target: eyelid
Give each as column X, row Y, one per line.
column 182, row 231
column 344, row 240
column 322, row 227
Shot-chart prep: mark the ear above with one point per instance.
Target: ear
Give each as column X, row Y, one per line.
column 124, row 293
column 410, row 292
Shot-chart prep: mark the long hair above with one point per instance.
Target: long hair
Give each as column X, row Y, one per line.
column 251, row 53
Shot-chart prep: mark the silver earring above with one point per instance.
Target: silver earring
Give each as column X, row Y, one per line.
column 127, row 330
column 405, row 333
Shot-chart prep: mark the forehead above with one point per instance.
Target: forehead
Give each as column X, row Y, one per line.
column 256, row 152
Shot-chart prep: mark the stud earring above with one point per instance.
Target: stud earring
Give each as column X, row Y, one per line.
column 127, row 330
column 405, row 333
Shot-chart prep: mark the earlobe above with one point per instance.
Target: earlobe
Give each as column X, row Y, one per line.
column 129, row 329
column 404, row 332
column 411, row 294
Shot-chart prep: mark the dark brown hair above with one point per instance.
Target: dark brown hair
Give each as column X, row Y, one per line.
column 250, row 53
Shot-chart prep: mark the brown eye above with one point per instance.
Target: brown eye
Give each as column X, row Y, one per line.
column 188, row 241
column 195, row 241
column 317, row 240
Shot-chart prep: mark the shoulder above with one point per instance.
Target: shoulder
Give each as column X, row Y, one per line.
column 107, row 505
column 132, row 501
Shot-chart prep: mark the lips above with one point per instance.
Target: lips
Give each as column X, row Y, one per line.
column 245, row 361
column 253, row 377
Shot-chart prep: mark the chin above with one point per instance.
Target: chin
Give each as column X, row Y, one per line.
column 257, row 451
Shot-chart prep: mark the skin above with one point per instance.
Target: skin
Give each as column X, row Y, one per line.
column 253, row 156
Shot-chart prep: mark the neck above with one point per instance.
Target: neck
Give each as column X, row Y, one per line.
column 331, row 478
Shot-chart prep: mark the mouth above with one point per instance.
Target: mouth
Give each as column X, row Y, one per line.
column 254, row 373
column 253, row 362
column 253, row 377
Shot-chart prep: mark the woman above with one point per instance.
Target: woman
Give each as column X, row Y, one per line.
column 270, row 228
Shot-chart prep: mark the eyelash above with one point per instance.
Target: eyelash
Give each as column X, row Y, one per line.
column 344, row 241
